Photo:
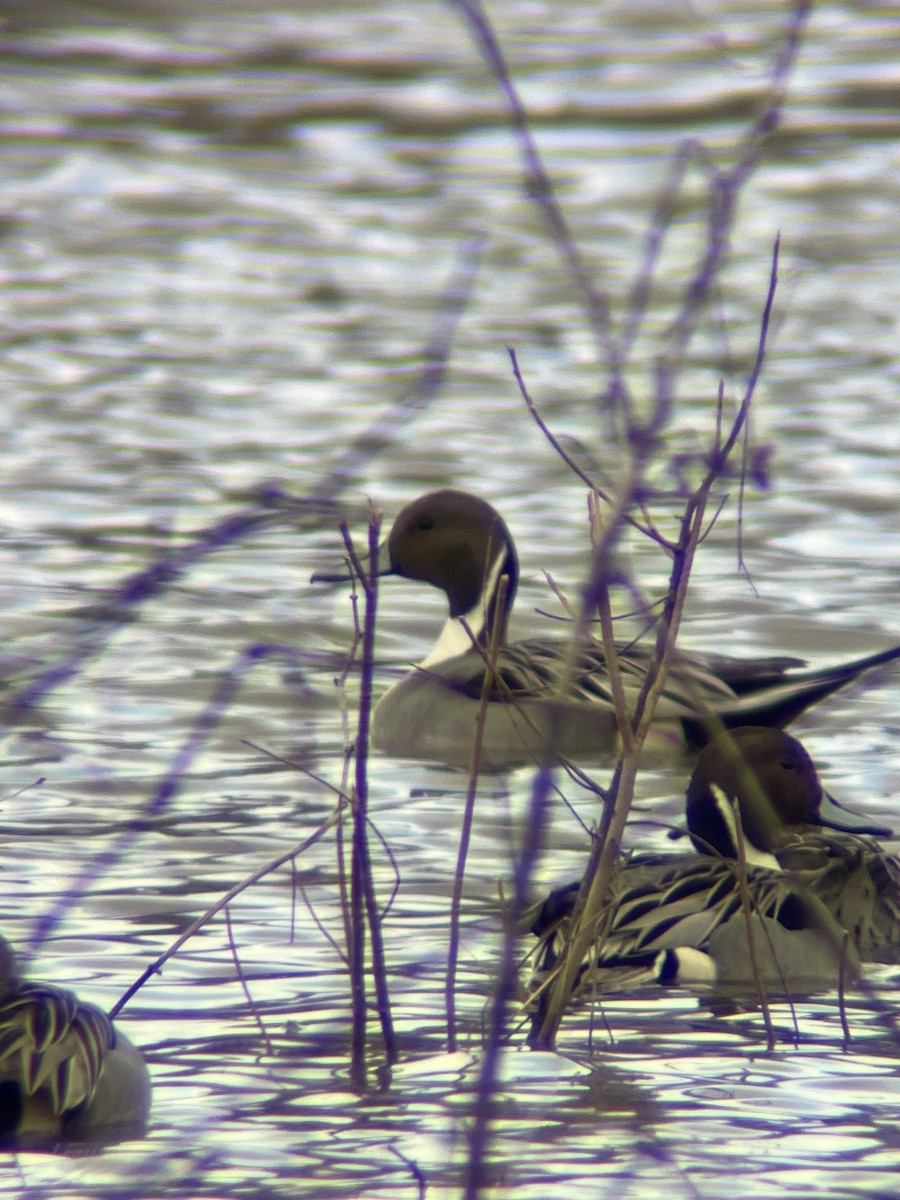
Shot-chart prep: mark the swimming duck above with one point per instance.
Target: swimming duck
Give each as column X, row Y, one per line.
column 457, row 542
column 65, row 1071
column 822, row 895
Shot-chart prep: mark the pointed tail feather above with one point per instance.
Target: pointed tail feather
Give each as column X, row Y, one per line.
column 779, row 697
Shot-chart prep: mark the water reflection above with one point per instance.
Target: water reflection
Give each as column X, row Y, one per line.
column 223, row 238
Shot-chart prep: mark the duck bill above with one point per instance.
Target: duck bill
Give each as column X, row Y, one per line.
column 836, row 816
column 347, row 575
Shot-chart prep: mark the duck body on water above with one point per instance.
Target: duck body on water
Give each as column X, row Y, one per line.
column 547, row 698
column 816, row 894
column 66, row 1072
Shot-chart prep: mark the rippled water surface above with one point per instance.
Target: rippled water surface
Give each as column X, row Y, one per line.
column 225, row 232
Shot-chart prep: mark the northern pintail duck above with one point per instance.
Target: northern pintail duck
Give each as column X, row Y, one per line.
column 460, row 544
column 822, row 895
column 65, row 1071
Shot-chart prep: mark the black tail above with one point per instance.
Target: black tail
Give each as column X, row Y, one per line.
column 774, row 693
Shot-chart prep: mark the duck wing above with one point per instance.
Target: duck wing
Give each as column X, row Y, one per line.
column 52, row 1042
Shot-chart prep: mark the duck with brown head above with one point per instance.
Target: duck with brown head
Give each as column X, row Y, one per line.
column 547, row 698
column 823, row 895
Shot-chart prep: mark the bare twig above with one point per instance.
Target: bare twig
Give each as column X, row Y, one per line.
column 488, row 685
column 221, row 903
column 362, row 888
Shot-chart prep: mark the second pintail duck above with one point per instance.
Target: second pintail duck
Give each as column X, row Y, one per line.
column 820, row 895
column 459, row 543
column 66, row 1072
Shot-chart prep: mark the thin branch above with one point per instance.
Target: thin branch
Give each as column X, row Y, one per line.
column 221, row 903
column 539, row 188
column 487, row 686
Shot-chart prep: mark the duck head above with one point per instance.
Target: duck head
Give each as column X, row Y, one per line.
column 769, row 777
column 456, row 542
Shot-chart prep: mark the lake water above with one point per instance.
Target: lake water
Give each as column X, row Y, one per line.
column 225, row 235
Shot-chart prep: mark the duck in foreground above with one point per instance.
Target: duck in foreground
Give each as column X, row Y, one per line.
column 460, row 544
column 820, row 896
column 66, row 1073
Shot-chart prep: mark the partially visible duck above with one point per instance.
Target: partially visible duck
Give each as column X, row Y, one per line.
column 823, row 896
column 460, row 544
column 66, row 1072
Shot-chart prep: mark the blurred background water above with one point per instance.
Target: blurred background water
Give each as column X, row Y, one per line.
column 224, row 234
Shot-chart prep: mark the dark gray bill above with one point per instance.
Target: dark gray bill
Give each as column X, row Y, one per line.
column 836, row 816
column 347, row 575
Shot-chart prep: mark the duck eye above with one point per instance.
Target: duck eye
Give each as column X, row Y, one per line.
column 789, row 764
column 423, row 524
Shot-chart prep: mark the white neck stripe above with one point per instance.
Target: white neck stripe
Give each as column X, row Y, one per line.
column 453, row 642
column 753, row 856
column 455, row 638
